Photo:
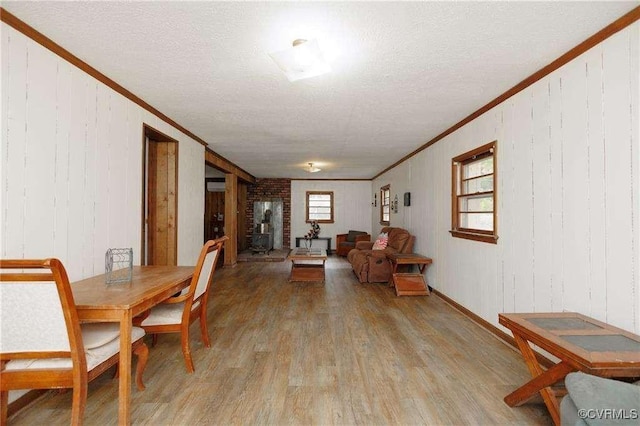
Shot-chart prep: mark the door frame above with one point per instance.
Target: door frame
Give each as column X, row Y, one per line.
column 154, row 135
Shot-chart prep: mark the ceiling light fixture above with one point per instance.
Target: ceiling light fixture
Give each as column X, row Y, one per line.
column 313, row 169
column 303, row 60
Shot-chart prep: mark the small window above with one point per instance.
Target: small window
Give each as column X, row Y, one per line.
column 320, row 206
column 385, row 205
column 473, row 198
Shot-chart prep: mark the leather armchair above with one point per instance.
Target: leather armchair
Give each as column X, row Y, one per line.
column 347, row 242
column 373, row 266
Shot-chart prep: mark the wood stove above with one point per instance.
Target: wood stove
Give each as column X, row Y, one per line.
column 263, row 233
column 262, row 242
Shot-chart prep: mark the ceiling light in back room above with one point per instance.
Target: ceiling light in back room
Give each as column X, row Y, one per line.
column 302, row 60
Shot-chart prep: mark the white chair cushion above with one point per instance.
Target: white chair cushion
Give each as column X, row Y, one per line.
column 99, row 333
column 31, row 318
column 169, row 313
column 94, row 356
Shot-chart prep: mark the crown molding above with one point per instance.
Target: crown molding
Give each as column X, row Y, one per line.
column 49, row 44
column 611, row 29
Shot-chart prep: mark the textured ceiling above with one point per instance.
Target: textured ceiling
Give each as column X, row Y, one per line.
column 403, row 72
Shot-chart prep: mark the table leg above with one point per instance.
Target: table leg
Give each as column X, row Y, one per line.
column 394, row 269
column 124, row 390
column 541, row 382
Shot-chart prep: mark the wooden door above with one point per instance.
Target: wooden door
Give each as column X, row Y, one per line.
column 162, row 203
column 213, row 215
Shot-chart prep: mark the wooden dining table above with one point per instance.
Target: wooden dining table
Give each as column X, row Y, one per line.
column 97, row 301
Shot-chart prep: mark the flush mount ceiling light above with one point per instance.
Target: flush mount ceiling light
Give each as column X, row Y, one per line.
column 303, row 60
column 312, row 169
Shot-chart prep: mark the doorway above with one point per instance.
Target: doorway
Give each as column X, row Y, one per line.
column 160, row 199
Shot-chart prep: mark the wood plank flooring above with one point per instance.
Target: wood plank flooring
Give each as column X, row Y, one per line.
column 310, row 353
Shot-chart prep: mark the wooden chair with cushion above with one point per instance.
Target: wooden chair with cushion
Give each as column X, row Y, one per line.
column 43, row 345
column 176, row 314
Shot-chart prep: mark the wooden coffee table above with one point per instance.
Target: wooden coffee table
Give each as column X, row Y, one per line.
column 407, row 284
column 581, row 343
column 307, row 264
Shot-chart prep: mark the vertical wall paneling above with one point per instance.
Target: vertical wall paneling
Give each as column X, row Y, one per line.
column 507, row 218
column 40, row 150
column 89, row 176
column 14, row 145
column 76, row 163
column 541, row 180
column 557, row 191
column 501, row 284
column 103, row 146
column 72, row 164
column 61, row 161
column 522, row 199
column 618, row 163
column 134, row 165
column 634, row 72
column 190, row 202
column 575, row 184
column 596, row 185
column 117, row 175
column 4, row 137
column 568, row 195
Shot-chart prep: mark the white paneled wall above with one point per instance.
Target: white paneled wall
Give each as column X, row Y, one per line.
column 72, row 164
column 352, row 204
column 568, row 195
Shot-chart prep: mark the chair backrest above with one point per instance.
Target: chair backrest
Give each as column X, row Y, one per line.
column 399, row 239
column 38, row 317
column 205, row 267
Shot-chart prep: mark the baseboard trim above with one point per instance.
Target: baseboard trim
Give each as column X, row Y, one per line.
column 24, row 400
column 543, row 360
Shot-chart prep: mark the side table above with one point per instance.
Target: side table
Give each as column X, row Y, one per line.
column 580, row 343
column 408, row 284
column 327, row 239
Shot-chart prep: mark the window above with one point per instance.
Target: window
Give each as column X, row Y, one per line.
column 320, row 206
column 385, row 205
column 473, row 200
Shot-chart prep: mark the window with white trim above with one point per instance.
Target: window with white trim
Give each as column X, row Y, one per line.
column 320, row 206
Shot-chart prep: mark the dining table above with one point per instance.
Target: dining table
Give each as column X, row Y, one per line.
column 98, row 301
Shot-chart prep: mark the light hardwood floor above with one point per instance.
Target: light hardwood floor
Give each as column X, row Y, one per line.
column 311, row 353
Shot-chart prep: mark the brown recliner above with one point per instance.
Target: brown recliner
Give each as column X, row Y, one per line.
column 373, row 266
column 347, row 242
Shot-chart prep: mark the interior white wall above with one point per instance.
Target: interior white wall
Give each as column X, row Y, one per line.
column 352, row 203
column 72, row 164
column 568, row 195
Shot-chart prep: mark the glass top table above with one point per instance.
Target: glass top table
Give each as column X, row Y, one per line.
column 581, row 343
column 307, row 264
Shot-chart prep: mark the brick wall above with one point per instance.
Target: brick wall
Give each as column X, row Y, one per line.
column 265, row 190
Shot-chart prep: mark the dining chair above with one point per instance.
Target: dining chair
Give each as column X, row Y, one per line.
column 176, row 314
column 42, row 343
